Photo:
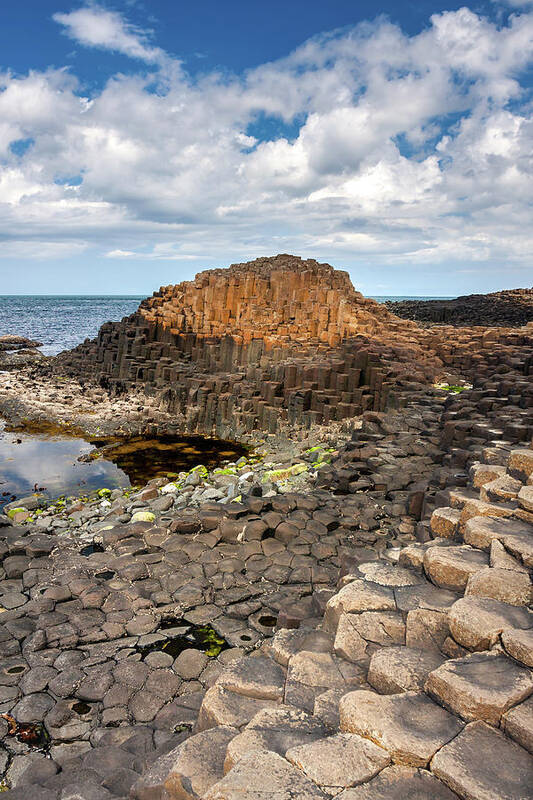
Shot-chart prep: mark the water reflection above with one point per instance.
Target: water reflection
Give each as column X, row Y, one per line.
column 50, row 463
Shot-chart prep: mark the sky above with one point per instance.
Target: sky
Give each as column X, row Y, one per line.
column 141, row 142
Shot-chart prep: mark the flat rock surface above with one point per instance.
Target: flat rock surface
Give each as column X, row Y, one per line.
column 401, row 669
column 277, row 730
column 480, row 686
column 410, row 726
column 189, row 770
column 476, row 623
column 264, row 776
column 339, row 761
column 401, row 783
column 482, row 764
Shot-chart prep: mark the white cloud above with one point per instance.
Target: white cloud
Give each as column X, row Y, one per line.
column 95, row 26
column 399, row 149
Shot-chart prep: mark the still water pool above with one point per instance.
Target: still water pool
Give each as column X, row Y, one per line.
column 51, row 464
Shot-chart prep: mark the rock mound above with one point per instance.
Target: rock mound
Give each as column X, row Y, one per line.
column 273, row 341
column 279, row 299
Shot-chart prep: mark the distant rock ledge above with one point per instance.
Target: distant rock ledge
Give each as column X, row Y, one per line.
column 512, row 308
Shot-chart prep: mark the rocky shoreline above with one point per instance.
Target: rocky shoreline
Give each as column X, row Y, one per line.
column 17, row 351
column 344, row 612
column 512, row 308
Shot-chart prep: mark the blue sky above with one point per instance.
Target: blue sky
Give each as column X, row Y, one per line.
column 142, row 142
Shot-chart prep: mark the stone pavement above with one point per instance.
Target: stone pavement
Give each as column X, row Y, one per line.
column 416, row 683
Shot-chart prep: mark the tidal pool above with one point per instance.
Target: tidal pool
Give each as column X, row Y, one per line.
column 50, row 462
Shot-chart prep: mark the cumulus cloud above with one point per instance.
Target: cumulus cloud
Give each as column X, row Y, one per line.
column 95, row 26
column 397, row 149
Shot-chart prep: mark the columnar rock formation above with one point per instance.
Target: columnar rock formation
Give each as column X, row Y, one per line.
column 277, row 341
column 387, row 599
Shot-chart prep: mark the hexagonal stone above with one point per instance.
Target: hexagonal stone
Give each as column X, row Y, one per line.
column 424, row 596
column 519, row 645
column 525, row 498
column 356, row 631
column 12, row 600
column 222, row 707
column 483, row 764
column 326, row 707
column 389, row 574
column 518, row 724
column 479, row 508
column 276, row 730
column 520, row 463
column 480, row 686
column 485, row 473
column 94, row 686
column 33, row 707
column 189, row 770
column 450, row 567
column 480, row 531
column 502, row 488
column 131, row 673
column 264, row 775
column 507, row 586
column 358, row 596
column 286, row 643
column 426, row 629
column 501, row 559
column 409, row 725
column 339, row 761
column 259, row 677
column 401, row 669
column 520, row 545
column 400, row 783
column 310, row 674
column 476, row 623
column 190, row 663
column 445, row 521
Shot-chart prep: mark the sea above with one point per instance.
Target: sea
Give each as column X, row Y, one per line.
column 61, row 322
